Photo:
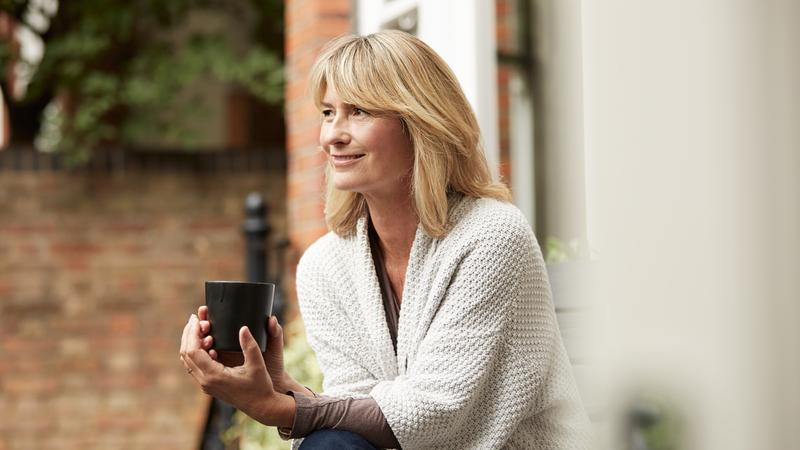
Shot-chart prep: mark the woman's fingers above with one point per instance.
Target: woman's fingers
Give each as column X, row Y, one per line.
column 195, row 345
column 183, row 337
column 205, row 327
column 193, row 339
column 192, row 368
column 205, row 371
column 202, row 312
column 250, row 349
column 275, row 329
column 275, row 341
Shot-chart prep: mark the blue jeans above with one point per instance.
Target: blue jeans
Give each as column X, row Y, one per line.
column 335, row 440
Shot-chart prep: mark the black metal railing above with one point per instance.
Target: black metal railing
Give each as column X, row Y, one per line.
column 115, row 160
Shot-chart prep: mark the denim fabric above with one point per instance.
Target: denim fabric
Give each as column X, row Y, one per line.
column 335, row 440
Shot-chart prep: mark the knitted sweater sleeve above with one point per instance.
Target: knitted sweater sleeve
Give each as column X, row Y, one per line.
column 479, row 368
column 347, row 373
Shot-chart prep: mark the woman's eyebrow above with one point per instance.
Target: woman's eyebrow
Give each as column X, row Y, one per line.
column 328, row 105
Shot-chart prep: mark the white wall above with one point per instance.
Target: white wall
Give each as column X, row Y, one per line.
column 692, row 175
column 556, row 71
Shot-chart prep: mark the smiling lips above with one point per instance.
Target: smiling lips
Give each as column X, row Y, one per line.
column 345, row 160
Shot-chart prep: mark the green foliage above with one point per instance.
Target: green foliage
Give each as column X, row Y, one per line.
column 556, row 250
column 668, row 431
column 301, row 363
column 134, row 72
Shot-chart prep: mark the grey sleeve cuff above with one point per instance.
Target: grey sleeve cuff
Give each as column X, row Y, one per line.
column 361, row 416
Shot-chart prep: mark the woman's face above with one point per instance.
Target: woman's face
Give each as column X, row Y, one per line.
column 370, row 154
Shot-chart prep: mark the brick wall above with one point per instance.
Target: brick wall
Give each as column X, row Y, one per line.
column 506, row 17
column 309, row 25
column 98, row 274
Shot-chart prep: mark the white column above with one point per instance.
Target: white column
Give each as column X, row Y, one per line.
column 523, row 180
column 463, row 33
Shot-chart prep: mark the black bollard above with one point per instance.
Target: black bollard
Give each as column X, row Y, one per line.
column 256, row 232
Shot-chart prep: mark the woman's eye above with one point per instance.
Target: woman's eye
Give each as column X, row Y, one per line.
column 359, row 112
column 327, row 113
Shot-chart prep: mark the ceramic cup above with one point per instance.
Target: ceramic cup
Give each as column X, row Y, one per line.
column 233, row 304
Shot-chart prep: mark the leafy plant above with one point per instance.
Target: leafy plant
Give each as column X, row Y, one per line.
column 557, row 250
column 659, row 420
column 124, row 72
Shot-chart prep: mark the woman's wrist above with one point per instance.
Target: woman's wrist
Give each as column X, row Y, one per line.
column 277, row 410
column 287, row 383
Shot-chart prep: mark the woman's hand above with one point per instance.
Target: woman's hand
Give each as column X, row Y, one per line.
column 248, row 387
column 273, row 359
column 273, row 356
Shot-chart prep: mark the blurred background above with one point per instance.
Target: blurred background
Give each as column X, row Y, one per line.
column 150, row 145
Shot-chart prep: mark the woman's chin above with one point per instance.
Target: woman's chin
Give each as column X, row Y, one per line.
column 347, row 185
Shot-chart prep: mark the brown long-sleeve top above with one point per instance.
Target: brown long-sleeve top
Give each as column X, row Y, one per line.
column 361, row 416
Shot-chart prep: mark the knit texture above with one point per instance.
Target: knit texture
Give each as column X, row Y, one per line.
column 480, row 362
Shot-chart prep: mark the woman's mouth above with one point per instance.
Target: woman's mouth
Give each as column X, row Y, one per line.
column 345, row 160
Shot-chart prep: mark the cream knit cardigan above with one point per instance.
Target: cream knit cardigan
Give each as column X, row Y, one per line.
column 480, row 363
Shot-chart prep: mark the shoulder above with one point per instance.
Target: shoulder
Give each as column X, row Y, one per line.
column 491, row 222
column 322, row 253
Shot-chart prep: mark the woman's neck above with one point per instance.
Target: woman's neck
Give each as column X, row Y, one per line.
column 395, row 222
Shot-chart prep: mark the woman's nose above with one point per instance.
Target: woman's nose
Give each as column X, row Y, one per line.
column 334, row 133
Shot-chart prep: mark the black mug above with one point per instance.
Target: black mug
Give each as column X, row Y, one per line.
column 234, row 304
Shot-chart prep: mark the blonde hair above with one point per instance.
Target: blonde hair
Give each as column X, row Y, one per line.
column 396, row 73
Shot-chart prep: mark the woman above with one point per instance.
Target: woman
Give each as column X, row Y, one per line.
column 428, row 303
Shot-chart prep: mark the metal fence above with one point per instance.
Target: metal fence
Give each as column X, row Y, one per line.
column 144, row 160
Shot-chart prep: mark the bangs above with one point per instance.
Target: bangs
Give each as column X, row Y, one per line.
column 360, row 75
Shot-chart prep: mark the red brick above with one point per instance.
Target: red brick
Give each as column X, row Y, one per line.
column 5, row 288
column 341, row 7
column 39, row 385
column 71, row 248
column 16, row 229
column 121, row 227
column 122, row 324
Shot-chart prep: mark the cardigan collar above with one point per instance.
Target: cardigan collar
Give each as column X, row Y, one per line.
column 370, row 296
column 371, row 302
